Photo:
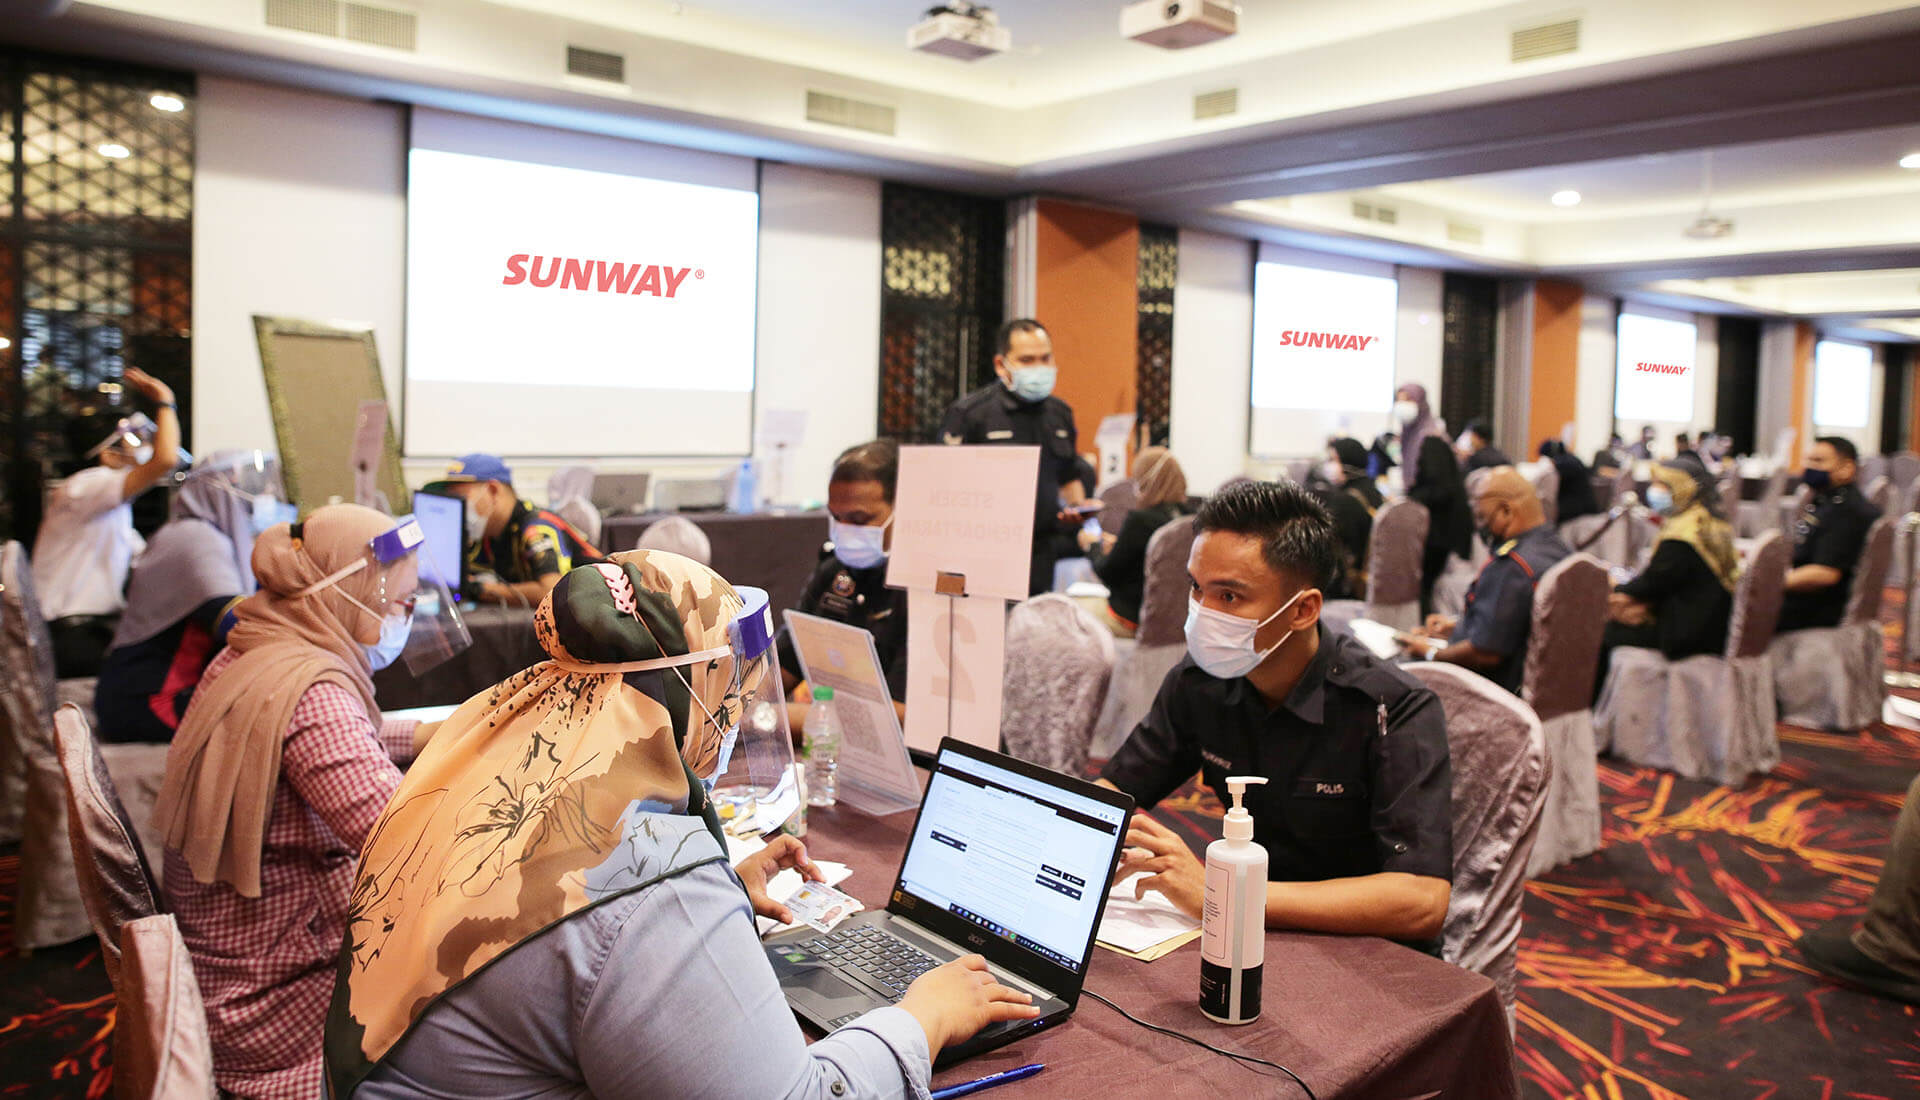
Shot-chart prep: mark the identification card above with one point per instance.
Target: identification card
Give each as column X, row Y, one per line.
column 821, row 906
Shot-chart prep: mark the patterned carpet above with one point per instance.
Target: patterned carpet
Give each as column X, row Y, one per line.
column 1658, row 968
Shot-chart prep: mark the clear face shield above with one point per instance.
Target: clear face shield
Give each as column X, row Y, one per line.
column 419, row 622
column 252, row 477
column 759, row 768
column 132, row 436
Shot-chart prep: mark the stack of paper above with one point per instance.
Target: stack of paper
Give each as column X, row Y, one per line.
column 1146, row 928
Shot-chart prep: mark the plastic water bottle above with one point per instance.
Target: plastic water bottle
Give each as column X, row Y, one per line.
column 823, row 749
column 745, row 488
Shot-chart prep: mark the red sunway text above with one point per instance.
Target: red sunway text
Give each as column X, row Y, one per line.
column 1339, row 341
column 1660, row 368
column 597, row 276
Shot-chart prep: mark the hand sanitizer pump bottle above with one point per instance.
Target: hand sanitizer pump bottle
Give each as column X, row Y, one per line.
column 1233, row 922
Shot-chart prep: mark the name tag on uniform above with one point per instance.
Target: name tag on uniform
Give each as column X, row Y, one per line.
column 1061, row 432
column 1320, row 788
column 1000, row 435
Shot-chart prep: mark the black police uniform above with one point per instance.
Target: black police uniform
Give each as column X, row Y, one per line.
column 1831, row 531
column 1358, row 778
column 993, row 415
column 857, row 597
column 1499, row 614
column 534, row 543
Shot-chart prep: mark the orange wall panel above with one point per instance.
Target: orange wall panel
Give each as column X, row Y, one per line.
column 1802, row 407
column 1556, row 365
column 1086, row 291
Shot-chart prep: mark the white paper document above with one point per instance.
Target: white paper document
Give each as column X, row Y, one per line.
column 957, row 659
column 1136, row 926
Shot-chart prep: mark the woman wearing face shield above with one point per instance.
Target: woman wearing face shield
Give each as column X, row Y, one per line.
column 196, row 570
column 274, row 779
column 545, row 908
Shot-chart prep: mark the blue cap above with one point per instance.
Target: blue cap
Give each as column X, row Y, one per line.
column 475, row 467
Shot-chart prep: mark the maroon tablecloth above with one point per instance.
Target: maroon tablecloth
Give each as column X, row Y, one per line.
column 774, row 551
column 1353, row 1016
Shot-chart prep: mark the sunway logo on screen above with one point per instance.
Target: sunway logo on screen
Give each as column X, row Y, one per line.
column 1660, row 368
column 597, row 276
column 1338, row 341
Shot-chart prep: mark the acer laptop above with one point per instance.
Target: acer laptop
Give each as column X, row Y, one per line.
column 1007, row 859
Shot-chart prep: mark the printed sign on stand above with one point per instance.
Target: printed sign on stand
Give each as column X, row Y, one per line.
column 876, row 774
column 956, row 662
column 965, row 511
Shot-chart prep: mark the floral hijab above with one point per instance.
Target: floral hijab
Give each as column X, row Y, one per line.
column 570, row 784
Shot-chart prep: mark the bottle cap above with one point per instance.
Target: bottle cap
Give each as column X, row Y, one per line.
column 1239, row 823
column 825, row 695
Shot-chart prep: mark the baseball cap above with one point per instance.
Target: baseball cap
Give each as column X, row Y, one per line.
column 475, row 467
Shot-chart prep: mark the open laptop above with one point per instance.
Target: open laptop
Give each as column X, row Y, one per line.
column 621, row 494
column 443, row 520
column 1007, row 859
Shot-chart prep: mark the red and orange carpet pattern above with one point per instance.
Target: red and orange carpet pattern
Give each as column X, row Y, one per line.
column 1660, row 968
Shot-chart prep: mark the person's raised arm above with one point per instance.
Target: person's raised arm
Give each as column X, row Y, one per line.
column 166, row 434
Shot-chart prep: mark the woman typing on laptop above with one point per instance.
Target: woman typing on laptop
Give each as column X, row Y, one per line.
column 545, row 907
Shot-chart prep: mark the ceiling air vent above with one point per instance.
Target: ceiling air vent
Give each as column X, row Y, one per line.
column 1464, row 233
column 1218, row 104
column 1386, row 215
column 1374, row 212
column 596, row 64
column 381, row 26
column 311, row 16
column 1546, row 40
column 853, row 114
column 1363, row 210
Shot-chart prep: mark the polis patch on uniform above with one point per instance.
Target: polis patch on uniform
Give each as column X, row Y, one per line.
column 1305, row 787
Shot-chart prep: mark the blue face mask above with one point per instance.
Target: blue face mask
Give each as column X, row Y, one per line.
column 268, row 511
column 727, row 741
column 394, row 632
column 1033, row 383
column 858, row 546
column 1660, row 499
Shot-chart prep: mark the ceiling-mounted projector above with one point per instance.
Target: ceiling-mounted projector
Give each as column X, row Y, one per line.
column 1706, row 227
column 1177, row 24
column 960, row 30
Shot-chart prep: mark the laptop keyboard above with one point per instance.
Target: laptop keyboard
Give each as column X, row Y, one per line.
column 886, row 960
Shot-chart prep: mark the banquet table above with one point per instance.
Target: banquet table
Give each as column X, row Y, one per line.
column 503, row 644
column 1354, row 1016
column 772, row 550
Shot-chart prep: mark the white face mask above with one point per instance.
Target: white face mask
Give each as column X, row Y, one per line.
column 1033, row 383
column 1223, row 645
column 859, row 546
column 1333, row 471
column 394, row 632
column 476, row 524
column 1406, row 411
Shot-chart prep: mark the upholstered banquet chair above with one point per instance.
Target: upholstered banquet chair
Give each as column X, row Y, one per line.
column 116, row 881
column 1393, row 570
column 1904, row 468
column 1563, row 654
column 1545, row 479
column 1157, row 645
column 49, row 910
column 1500, row 777
column 161, row 1050
column 678, row 535
column 1118, row 499
column 1907, row 500
column 570, row 496
column 1059, row 659
column 1754, row 518
column 1831, row 678
column 1705, row 717
column 1622, row 536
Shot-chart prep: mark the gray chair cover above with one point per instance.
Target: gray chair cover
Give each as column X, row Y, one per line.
column 1756, row 517
column 161, row 1050
column 1393, row 570
column 1158, row 644
column 1059, row 659
column 1450, row 588
column 1874, row 467
column 116, row 882
column 678, row 535
column 1904, row 468
column 1298, row 469
column 1546, row 485
column 570, row 496
column 1623, row 536
column 1908, row 501
column 1705, row 717
column 1119, row 499
column 1563, row 655
column 1500, row 778
column 1832, row 678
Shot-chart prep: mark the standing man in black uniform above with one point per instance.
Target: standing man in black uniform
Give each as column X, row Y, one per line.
column 850, row 584
column 1828, row 537
column 1021, row 409
column 1356, row 815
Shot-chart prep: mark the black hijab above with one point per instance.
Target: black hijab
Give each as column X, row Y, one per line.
column 1437, row 484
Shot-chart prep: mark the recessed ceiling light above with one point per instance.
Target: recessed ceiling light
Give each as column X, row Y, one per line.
column 1566, row 198
column 1911, row 160
column 113, row 150
column 161, row 101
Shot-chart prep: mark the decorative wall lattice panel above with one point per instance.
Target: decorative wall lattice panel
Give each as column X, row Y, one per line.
column 1153, row 380
column 1470, row 308
column 940, row 303
column 95, row 259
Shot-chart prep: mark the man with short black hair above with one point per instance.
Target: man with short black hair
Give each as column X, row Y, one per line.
column 1021, row 409
column 1827, row 538
column 1477, row 451
column 1356, row 813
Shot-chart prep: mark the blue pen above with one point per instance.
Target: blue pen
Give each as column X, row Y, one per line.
column 968, row 1088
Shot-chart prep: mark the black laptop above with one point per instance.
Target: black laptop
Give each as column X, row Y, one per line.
column 1007, row 859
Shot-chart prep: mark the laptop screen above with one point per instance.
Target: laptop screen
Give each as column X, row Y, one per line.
column 1019, row 857
column 443, row 522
